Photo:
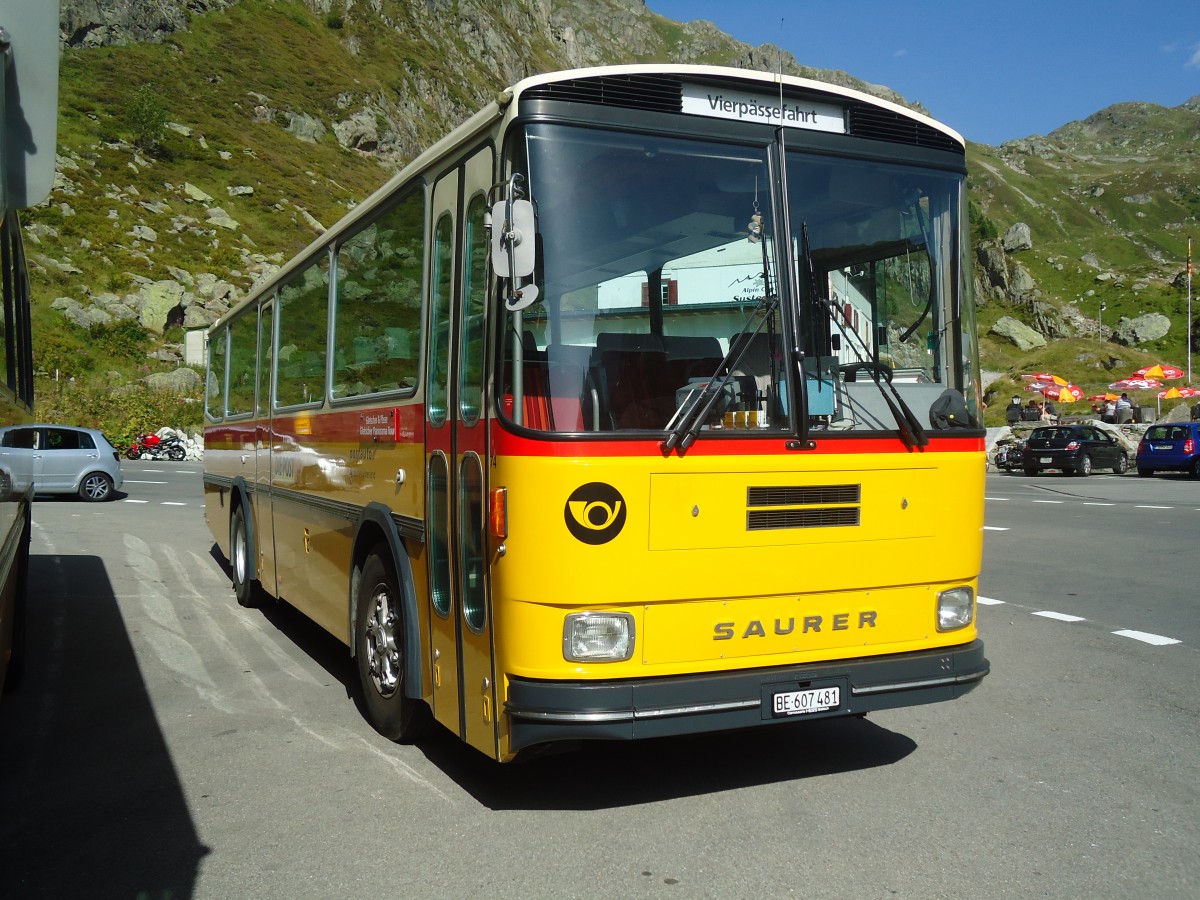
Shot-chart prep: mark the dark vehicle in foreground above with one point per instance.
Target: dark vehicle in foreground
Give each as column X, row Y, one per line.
column 1170, row 448
column 1073, row 448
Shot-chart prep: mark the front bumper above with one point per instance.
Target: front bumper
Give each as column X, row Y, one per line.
column 635, row 709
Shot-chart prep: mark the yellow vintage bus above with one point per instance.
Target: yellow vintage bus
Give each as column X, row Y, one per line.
column 644, row 403
column 28, row 128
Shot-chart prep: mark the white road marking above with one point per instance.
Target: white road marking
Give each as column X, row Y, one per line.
column 1156, row 639
column 1062, row 617
column 131, row 481
column 993, row 528
column 128, row 500
column 989, row 601
column 172, row 503
column 1049, row 501
column 1098, row 504
column 1139, row 506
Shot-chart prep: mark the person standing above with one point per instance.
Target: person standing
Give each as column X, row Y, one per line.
column 1012, row 412
column 1124, row 409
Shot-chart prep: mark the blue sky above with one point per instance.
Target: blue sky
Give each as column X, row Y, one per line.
column 991, row 71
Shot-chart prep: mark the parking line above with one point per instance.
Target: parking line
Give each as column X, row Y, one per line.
column 989, row 601
column 172, row 503
column 130, row 500
column 131, row 481
column 993, row 528
column 1156, row 639
column 1061, row 617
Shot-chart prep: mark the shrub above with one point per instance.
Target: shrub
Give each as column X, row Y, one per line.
column 146, row 118
column 125, row 339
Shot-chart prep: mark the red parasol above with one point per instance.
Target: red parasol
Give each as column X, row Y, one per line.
column 1158, row 371
column 1135, row 384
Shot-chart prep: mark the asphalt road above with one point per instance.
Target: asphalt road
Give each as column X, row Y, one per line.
column 167, row 743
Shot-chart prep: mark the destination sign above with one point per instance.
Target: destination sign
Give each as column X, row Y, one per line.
column 718, row 103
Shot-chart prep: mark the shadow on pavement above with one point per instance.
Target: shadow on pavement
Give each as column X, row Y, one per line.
column 607, row 775
column 90, row 802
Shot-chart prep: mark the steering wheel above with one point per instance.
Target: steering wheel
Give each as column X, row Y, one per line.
column 877, row 370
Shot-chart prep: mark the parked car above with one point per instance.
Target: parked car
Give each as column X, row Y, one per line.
column 1073, row 448
column 1170, row 448
column 61, row 459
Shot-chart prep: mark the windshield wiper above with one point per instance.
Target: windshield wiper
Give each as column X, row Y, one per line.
column 693, row 413
column 907, row 423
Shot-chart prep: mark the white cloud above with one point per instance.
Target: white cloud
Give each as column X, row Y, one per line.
column 1194, row 60
column 900, row 53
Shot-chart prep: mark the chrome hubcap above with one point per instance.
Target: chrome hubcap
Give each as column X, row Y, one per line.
column 239, row 555
column 383, row 657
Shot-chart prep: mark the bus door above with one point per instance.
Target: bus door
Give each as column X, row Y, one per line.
column 456, row 435
column 263, row 505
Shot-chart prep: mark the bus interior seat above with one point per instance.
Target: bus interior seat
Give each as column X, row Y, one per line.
column 638, row 375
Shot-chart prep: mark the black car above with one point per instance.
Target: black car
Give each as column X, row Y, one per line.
column 1073, row 448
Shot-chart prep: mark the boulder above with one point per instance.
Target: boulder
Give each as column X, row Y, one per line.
column 305, row 127
column 155, row 301
column 1018, row 333
column 359, row 132
column 180, row 381
column 1018, row 238
column 1140, row 330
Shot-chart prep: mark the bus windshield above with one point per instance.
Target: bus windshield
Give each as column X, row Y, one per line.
column 880, row 261
column 652, row 264
column 661, row 302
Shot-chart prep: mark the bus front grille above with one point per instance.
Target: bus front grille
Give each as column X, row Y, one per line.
column 803, row 495
column 802, row 506
column 817, row 517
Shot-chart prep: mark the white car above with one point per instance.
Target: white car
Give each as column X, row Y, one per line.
column 60, row 459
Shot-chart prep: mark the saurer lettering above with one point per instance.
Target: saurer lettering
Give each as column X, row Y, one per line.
column 727, row 631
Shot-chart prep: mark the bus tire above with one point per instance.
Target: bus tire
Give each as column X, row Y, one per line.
column 239, row 560
column 379, row 652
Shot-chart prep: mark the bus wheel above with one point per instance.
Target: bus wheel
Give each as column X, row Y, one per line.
column 239, row 560
column 379, row 652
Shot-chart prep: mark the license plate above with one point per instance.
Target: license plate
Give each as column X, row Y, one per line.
column 800, row 703
column 1045, row 460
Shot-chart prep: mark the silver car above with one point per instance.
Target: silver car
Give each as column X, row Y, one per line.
column 60, row 459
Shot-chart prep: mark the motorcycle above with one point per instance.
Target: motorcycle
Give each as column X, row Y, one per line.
column 1010, row 456
column 153, row 447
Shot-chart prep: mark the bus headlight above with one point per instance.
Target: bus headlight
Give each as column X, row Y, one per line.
column 956, row 608
column 598, row 637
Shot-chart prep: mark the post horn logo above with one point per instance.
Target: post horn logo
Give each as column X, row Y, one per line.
column 595, row 513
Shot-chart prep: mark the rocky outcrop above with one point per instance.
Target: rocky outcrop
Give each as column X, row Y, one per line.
column 99, row 23
column 1142, row 329
column 1018, row 333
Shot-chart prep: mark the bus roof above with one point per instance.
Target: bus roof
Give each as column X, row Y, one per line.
column 767, row 79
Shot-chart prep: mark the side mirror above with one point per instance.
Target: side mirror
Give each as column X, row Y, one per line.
column 513, row 253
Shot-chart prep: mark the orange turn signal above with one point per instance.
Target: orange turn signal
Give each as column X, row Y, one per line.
column 498, row 513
